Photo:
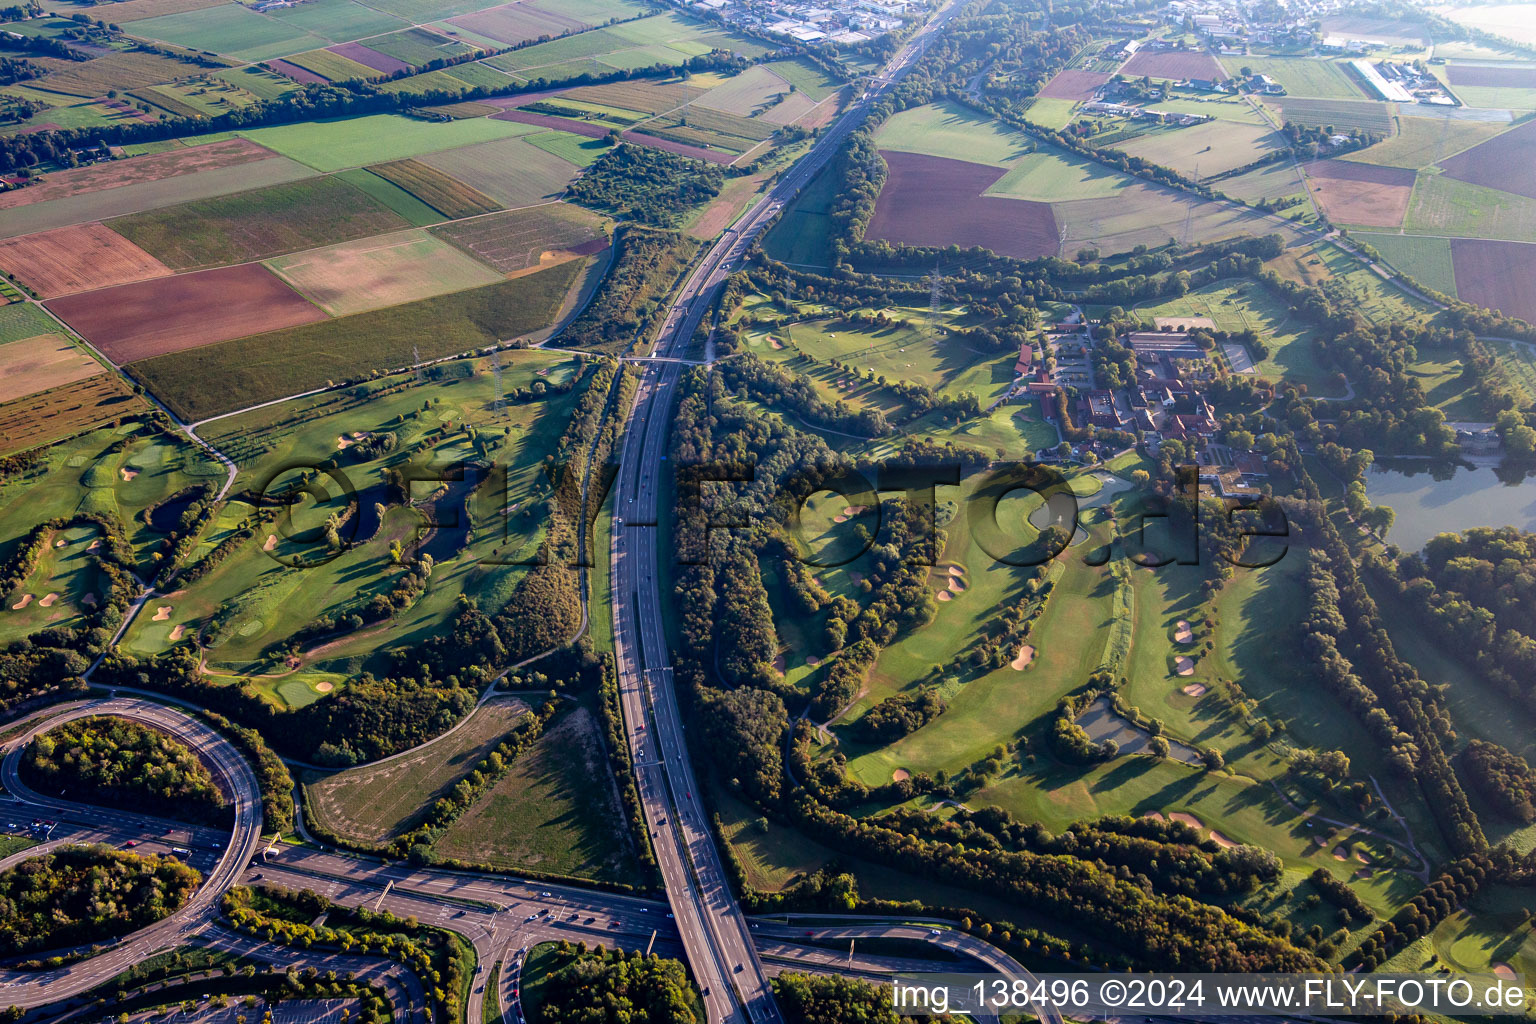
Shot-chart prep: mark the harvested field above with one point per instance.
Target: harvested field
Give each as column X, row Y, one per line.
column 1503, row 162
column 134, row 170
column 1492, row 78
column 380, row 271
column 217, row 378
column 1073, row 85
column 303, row 76
column 652, row 99
column 511, row 172
column 448, row 196
column 1173, row 65
column 140, row 321
column 66, row 411
column 120, row 70
column 516, row 23
column 590, row 129
column 1146, row 215
column 1496, row 275
column 1421, row 141
column 257, row 224
column 795, row 106
column 1372, row 195
column 40, row 364
column 515, row 240
column 76, row 259
column 753, row 88
column 137, row 10
column 930, row 200
column 370, row 58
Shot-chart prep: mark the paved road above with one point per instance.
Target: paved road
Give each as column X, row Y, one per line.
column 28, row 989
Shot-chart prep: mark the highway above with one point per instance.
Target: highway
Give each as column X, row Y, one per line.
column 714, row 932
column 228, row 852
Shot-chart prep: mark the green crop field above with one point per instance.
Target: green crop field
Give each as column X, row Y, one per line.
column 231, row 30
column 511, row 171
column 806, row 77
column 1305, row 77
column 574, row 149
column 557, row 811
column 478, row 75
column 379, row 801
column 1442, row 205
column 418, row 46
column 332, row 66
column 255, row 225
column 264, row 84
column 1421, row 141
column 1343, row 115
column 1207, row 149
column 340, row 21
column 952, row 131
column 392, row 196
column 229, row 375
column 1425, row 259
column 1051, row 175
column 359, row 141
column 20, row 320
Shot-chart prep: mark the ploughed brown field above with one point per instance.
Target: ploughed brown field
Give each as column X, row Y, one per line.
column 591, row 129
column 1354, row 193
column 1173, row 64
column 930, row 200
column 1498, row 275
column 152, row 167
column 1503, row 162
column 1493, row 78
column 369, row 57
column 713, row 156
column 171, row 314
column 1074, row 85
column 76, row 259
column 302, row 75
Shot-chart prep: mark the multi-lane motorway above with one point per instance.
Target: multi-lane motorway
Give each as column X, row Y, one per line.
column 714, row 933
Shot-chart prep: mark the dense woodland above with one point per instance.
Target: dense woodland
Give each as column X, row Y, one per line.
column 601, row 986
column 649, row 186
column 121, row 763
column 83, row 894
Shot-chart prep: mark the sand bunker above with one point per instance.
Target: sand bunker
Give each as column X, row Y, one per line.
column 900, row 775
column 271, row 542
column 774, row 342
column 163, row 612
column 49, row 601
column 780, row 665
column 178, row 633
column 128, row 474
column 1182, row 633
column 945, row 595
column 60, row 542
column 813, row 661
column 1362, row 857
column 1026, row 655
column 94, row 544
column 89, row 600
column 26, row 599
column 1222, row 841
column 1154, row 815
column 1362, row 873
column 956, row 585
column 345, row 441
column 1184, row 666
column 1195, row 689
column 324, row 687
column 1185, row 819
column 957, row 570
column 1503, row 969
column 856, row 577
column 839, row 519
column 1340, row 853
column 854, row 510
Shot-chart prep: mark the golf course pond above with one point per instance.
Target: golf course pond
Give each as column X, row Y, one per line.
column 1437, row 497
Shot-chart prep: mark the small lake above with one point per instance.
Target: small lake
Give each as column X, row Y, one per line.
column 1431, row 498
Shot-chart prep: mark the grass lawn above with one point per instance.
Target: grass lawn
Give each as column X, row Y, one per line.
column 1050, row 175
column 1494, row 928
column 1051, row 113
column 377, row 802
column 802, row 234
column 557, row 811
column 1425, row 259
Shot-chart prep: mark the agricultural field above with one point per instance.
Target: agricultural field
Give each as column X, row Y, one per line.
column 377, row 802
column 170, row 314
column 1424, row 258
column 1203, row 150
column 1422, row 141
column 391, row 197
column 132, row 69
column 377, row 138
column 1073, row 85
column 47, row 416
column 337, row 20
column 383, row 270
column 231, row 30
column 30, row 365
column 1172, row 65
column 329, row 66
column 668, row 38
column 517, row 239
column 77, row 259
column 453, row 199
column 931, row 201
column 1272, row 181
column 556, row 812
column 1370, row 195
column 255, row 225
column 218, row 377
column 1441, row 205
column 1344, row 115
column 510, row 171
column 116, row 174
column 1496, row 274
column 1303, row 77
column 516, row 23
column 418, row 46
column 1500, row 163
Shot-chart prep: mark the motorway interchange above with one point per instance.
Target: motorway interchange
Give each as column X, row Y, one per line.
column 501, row 917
